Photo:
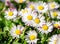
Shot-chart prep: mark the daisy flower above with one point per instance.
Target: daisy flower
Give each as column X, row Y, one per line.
column 42, row 7
column 20, row 1
column 31, row 5
column 56, row 24
column 55, row 39
column 11, row 13
column 55, row 14
column 53, row 5
column 28, row 18
column 38, row 21
column 24, row 11
column 16, row 31
column 45, row 28
column 31, row 37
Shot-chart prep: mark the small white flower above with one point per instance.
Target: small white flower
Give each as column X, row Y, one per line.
column 56, row 24
column 45, row 28
column 55, row 14
column 38, row 21
column 31, row 37
column 11, row 13
column 55, row 39
column 31, row 5
column 28, row 18
column 53, row 5
column 20, row 1
column 24, row 11
column 16, row 31
column 42, row 7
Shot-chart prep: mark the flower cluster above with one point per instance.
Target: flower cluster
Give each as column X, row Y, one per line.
column 38, row 19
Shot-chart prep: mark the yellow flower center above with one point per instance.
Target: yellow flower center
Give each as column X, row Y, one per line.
column 55, row 41
column 29, row 17
column 37, row 20
column 10, row 13
column 45, row 27
column 52, row 5
column 32, row 37
column 55, row 14
column 20, row 1
column 17, row 32
column 40, row 7
column 32, row 7
column 56, row 25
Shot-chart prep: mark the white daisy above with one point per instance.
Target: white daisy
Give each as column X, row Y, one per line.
column 56, row 24
column 38, row 21
column 24, row 11
column 28, row 18
column 53, row 5
column 16, row 31
column 31, row 37
column 55, row 39
column 11, row 13
column 20, row 1
column 55, row 14
column 42, row 7
column 31, row 5
column 45, row 28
